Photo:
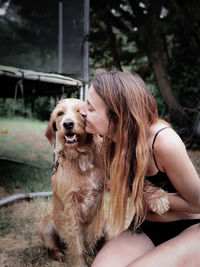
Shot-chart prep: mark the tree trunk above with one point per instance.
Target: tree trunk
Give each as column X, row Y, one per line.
column 163, row 82
column 113, row 45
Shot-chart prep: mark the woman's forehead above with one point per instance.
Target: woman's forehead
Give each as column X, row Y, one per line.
column 93, row 98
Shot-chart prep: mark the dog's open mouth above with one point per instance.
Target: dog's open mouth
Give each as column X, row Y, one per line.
column 71, row 138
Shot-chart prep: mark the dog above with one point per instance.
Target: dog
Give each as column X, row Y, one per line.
column 77, row 222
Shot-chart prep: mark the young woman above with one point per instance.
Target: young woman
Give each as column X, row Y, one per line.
column 139, row 145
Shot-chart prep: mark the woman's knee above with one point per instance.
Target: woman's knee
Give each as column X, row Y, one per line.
column 187, row 246
column 123, row 249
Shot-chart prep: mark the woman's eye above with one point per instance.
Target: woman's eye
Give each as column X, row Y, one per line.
column 90, row 108
column 60, row 113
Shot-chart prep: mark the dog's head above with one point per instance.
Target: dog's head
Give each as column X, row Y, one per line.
column 68, row 122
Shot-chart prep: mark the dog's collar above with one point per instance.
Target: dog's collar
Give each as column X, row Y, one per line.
column 60, row 155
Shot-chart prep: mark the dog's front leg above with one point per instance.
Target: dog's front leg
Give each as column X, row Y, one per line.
column 74, row 237
column 49, row 236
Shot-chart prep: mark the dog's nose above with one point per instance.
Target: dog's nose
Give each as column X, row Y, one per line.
column 68, row 124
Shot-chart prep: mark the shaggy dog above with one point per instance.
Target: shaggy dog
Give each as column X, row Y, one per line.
column 77, row 222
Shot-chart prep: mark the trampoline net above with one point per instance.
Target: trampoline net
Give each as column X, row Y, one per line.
column 29, row 35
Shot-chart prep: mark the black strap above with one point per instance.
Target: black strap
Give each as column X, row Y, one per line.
column 153, row 146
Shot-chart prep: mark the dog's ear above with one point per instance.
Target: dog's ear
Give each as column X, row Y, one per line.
column 50, row 132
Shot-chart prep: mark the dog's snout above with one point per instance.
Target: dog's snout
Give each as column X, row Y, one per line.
column 68, row 125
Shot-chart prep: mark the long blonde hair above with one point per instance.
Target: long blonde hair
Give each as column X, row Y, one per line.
column 131, row 110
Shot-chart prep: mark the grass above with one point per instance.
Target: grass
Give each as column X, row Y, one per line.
column 25, row 141
column 20, row 244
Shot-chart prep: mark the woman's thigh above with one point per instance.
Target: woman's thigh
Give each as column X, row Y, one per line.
column 182, row 250
column 120, row 251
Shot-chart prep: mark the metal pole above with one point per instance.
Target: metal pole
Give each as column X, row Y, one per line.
column 86, row 48
column 60, row 50
column 60, row 36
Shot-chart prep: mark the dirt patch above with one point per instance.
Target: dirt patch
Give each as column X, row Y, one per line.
column 21, row 245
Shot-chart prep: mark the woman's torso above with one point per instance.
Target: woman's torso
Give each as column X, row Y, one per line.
column 160, row 232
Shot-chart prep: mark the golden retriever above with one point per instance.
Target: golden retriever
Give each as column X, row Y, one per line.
column 77, row 221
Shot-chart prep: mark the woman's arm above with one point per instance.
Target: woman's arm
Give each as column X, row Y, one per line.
column 173, row 159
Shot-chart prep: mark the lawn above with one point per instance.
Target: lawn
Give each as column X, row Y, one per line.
column 23, row 140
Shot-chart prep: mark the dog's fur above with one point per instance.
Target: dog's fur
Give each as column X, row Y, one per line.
column 78, row 219
column 155, row 198
column 77, row 222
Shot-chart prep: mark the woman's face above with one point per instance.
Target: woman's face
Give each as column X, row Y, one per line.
column 95, row 114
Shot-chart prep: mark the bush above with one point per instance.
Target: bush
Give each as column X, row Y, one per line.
column 9, row 108
column 43, row 107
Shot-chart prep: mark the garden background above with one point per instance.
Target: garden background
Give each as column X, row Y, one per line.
column 157, row 39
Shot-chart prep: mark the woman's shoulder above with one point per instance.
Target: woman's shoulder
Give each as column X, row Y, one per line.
column 167, row 145
column 165, row 138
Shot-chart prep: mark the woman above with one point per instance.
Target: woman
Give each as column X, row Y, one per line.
column 137, row 145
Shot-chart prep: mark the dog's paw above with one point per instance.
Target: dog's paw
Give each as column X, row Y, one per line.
column 155, row 198
column 159, row 204
column 58, row 256
column 78, row 263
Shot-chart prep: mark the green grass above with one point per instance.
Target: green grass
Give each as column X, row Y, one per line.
column 6, row 222
column 20, row 178
column 25, row 142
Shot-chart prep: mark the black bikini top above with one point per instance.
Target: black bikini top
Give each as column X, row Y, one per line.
column 160, row 179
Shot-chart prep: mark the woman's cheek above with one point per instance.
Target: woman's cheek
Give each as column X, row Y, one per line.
column 89, row 127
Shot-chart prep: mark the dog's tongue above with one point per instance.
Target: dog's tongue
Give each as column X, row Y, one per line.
column 71, row 138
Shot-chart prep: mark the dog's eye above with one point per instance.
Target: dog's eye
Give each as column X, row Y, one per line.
column 60, row 113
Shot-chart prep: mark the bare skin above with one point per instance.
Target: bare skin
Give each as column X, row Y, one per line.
column 172, row 158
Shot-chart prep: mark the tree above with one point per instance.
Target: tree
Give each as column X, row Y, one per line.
column 154, row 28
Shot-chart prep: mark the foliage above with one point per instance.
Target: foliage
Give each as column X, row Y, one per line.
column 162, row 107
column 132, row 30
column 185, row 75
column 43, row 107
column 33, row 21
column 39, row 108
column 186, row 80
column 9, row 108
